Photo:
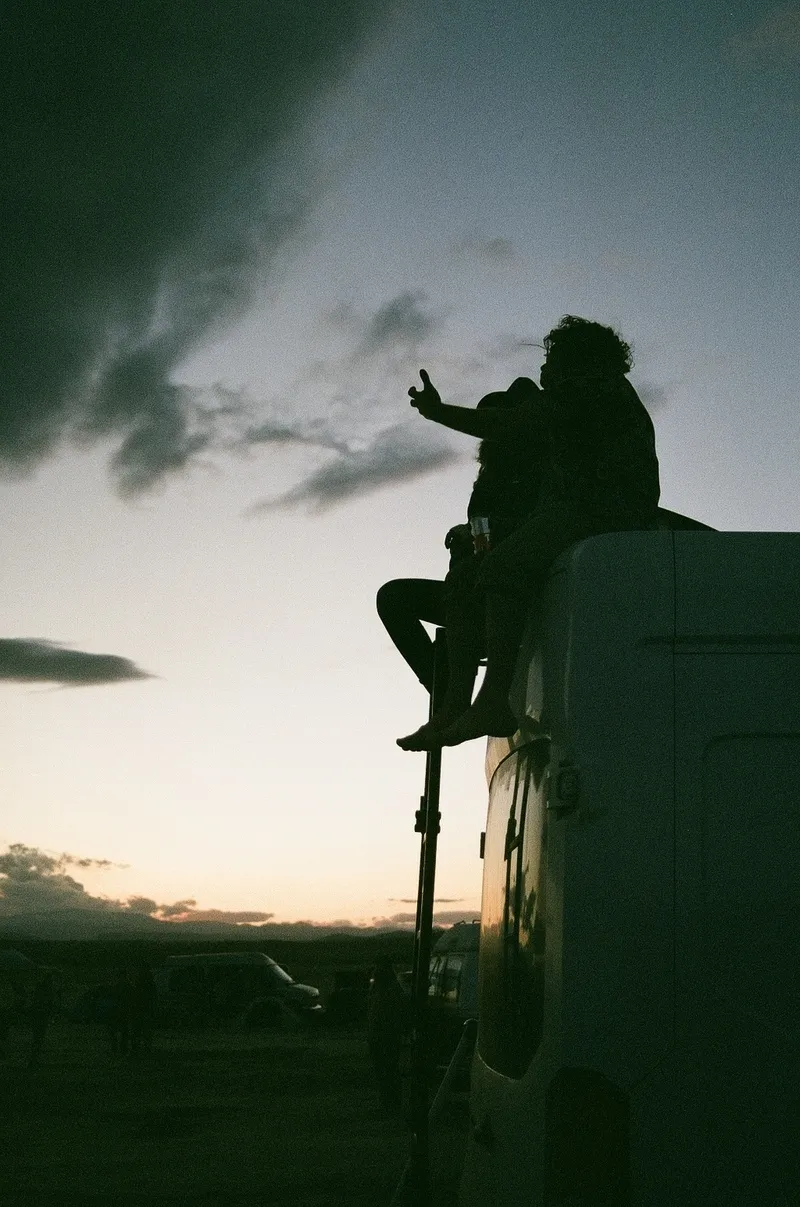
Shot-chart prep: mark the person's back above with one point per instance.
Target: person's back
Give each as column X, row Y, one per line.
column 602, row 449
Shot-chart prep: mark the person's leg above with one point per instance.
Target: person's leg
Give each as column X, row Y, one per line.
column 490, row 714
column 509, row 574
column 463, row 659
column 464, row 630
column 402, row 605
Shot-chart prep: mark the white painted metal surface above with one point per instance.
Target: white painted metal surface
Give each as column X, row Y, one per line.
column 642, row 892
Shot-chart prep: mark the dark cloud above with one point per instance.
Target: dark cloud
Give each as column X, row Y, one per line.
column 241, row 917
column 272, row 432
column 277, row 432
column 396, row 455
column 33, row 882
column 654, row 397
column 403, row 322
column 152, row 170
column 26, row 660
column 413, row 900
column 442, row 917
column 773, row 41
column 497, row 250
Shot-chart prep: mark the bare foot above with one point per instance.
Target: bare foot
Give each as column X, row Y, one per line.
column 422, row 738
column 479, row 721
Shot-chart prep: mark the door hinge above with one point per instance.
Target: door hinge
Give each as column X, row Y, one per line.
column 565, row 789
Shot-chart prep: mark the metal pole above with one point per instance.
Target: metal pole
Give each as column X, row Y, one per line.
column 427, row 825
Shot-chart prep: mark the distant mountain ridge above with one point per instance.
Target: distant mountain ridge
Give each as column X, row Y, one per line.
column 88, row 924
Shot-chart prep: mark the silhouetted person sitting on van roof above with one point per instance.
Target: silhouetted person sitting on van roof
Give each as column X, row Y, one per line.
column 601, row 475
column 504, row 494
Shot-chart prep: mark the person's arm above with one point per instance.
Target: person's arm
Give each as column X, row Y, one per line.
column 489, row 423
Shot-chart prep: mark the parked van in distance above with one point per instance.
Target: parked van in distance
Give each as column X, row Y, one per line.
column 452, row 987
column 221, row 986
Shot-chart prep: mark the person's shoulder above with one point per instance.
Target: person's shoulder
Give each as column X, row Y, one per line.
column 586, row 391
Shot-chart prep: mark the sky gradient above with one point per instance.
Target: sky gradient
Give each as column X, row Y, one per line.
column 231, row 245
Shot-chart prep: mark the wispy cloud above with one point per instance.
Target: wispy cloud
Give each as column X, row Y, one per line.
column 153, row 170
column 491, row 249
column 399, row 454
column 404, row 322
column 654, row 397
column 26, row 660
column 348, row 404
column 774, row 40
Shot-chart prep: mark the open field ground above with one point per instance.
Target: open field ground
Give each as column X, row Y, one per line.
column 207, row 1117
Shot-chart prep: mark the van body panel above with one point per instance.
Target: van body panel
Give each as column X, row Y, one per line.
column 664, row 670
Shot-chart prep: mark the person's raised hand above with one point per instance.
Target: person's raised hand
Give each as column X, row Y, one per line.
column 427, row 399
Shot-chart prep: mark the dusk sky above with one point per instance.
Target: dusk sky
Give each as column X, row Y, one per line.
column 233, row 233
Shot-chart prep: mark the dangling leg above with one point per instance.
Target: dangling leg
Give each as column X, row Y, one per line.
column 463, row 657
column 464, row 628
column 402, row 604
column 490, row 714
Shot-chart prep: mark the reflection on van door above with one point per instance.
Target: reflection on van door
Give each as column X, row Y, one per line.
column 511, row 988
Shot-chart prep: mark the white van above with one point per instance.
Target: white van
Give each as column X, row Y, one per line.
column 453, row 975
column 639, row 982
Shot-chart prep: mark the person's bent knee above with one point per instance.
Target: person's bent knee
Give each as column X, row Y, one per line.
column 388, row 596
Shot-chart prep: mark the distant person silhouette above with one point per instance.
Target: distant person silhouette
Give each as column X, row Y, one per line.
column 120, row 1005
column 504, row 494
column 387, row 1016
column 41, row 1009
column 142, row 1010
column 8, row 1004
column 600, row 475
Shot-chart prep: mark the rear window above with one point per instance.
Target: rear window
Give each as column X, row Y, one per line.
column 451, row 977
column 512, row 946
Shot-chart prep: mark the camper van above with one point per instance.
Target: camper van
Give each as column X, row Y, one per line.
column 639, row 975
column 452, row 988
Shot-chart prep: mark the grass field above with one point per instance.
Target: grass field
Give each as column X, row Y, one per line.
column 207, row 1117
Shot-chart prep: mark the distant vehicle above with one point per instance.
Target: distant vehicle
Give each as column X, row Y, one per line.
column 452, row 987
column 222, row 986
column 453, row 979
